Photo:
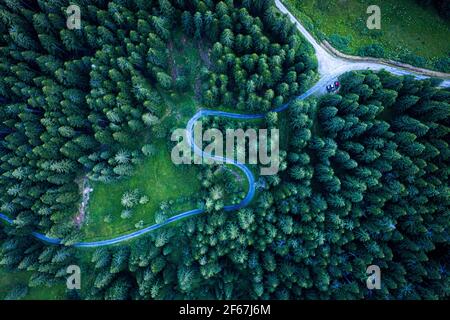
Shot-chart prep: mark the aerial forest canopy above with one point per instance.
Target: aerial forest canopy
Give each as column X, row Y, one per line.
column 363, row 178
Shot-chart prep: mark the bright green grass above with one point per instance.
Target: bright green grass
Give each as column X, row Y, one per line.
column 157, row 177
column 406, row 27
column 8, row 280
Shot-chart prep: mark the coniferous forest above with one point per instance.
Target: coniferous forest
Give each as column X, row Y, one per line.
column 363, row 180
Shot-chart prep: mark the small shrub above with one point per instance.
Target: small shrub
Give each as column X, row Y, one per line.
column 130, row 198
column 126, row 214
column 340, row 43
column 413, row 59
column 139, row 225
column 160, row 217
column 372, row 50
column 143, row 200
column 443, row 64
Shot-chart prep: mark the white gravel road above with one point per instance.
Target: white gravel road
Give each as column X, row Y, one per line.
column 330, row 66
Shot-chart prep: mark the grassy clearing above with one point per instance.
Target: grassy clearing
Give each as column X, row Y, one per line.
column 8, row 280
column 406, row 27
column 157, row 178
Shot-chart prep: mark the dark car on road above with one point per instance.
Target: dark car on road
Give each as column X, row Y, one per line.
column 333, row 87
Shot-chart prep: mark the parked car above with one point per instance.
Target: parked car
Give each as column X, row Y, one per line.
column 333, row 87
column 330, row 88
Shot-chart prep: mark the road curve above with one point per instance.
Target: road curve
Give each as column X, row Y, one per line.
column 190, row 134
column 330, row 68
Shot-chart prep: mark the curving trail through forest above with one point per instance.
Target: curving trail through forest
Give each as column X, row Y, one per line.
column 190, row 133
column 330, row 67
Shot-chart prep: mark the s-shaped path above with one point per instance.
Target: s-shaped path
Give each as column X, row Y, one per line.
column 190, row 134
column 330, row 68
